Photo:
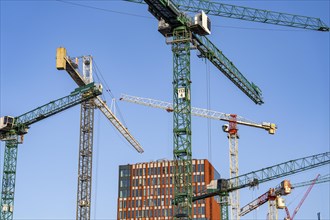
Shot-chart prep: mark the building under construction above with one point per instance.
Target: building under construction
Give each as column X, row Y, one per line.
column 146, row 190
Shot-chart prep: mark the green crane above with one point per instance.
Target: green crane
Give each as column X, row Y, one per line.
column 249, row 14
column 222, row 187
column 184, row 33
column 12, row 130
column 321, row 179
column 254, row 178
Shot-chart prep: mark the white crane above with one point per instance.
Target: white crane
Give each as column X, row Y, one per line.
column 231, row 129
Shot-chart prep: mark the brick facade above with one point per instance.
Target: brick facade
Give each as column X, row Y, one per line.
column 145, row 191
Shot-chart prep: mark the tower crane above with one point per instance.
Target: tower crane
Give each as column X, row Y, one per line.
column 301, row 202
column 274, row 195
column 184, row 33
column 221, row 187
column 13, row 129
column 63, row 62
column 231, row 129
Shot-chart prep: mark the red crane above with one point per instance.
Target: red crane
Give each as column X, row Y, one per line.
column 301, row 202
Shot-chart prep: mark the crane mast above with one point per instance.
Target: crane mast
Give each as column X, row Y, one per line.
column 233, row 164
column 63, row 62
column 182, row 152
column 12, row 133
column 85, row 161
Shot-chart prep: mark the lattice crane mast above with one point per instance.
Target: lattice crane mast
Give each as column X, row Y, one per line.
column 231, row 129
column 63, row 62
column 12, row 130
column 183, row 33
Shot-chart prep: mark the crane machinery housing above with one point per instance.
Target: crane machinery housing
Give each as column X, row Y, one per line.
column 12, row 130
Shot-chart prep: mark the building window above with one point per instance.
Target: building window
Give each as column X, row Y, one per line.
column 201, row 210
column 123, row 193
column 124, row 171
column 124, row 182
column 200, row 167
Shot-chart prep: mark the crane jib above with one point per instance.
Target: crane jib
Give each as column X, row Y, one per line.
column 266, row 174
column 249, row 14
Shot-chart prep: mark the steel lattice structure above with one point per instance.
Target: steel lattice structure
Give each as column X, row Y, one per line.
column 182, row 124
column 20, row 127
column 85, row 160
column 84, row 192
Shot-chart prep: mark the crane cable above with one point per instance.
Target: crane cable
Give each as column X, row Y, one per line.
column 208, row 104
column 149, row 17
column 101, row 79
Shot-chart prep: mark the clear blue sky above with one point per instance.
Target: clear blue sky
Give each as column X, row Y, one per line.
column 291, row 67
